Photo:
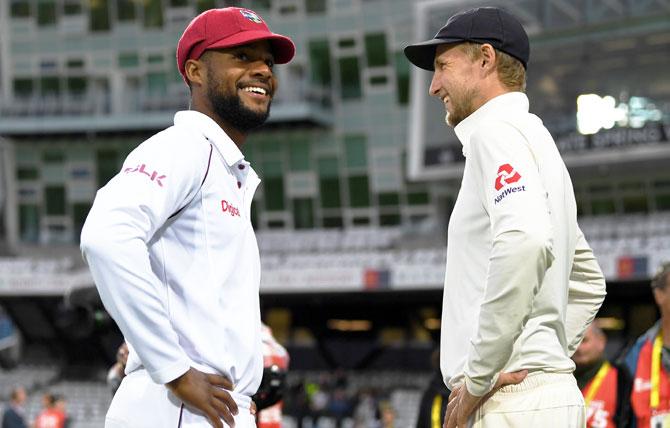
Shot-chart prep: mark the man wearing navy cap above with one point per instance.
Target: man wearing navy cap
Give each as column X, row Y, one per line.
column 170, row 244
column 521, row 284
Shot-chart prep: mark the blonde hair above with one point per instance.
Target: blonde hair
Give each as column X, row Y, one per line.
column 511, row 72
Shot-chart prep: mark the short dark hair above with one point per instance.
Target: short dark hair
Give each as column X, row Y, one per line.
column 660, row 278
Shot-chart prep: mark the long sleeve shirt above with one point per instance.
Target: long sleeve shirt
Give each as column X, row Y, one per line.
column 170, row 245
column 521, row 282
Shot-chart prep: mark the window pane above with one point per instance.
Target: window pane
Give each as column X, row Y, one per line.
column 299, row 155
column 332, row 222
column 315, row 6
column 663, row 202
column 356, row 151
column 178, row 3
column 29, row 222
column 99, row 15
column 153, row 14
column 330, row 192
column 77, row 85
column 125, row 10
column 79, row 213
column 635, row 204
column 20, row 8
column 107, row 162
column 359, row 193
column 49, row 86
column 129, row 59
column 418, row 198
column 303, row 213
column 27, row 173
column 156, row 83
column 328, row 167
column 389, row 199
column 55, row 200
column 319, row 59
column 274, row 193
column 602, row 206
column 375, row 49
column 23, row 87
column 350, row 79
column 72, row 7
column 46, row 13
column 203, row 5
column 260, row 4
column 402, row 78
column 53, row 156
column 389, row 219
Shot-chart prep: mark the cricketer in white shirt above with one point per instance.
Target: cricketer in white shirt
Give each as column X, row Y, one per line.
column 172, row 251
column 521, row 282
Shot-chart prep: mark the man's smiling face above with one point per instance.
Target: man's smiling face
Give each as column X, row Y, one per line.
column 241, row 84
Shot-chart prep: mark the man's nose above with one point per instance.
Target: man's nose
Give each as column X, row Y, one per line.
column 262, row 68
column 434, row 86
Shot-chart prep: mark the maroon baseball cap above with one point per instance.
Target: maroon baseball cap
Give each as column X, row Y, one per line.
column 228, row 27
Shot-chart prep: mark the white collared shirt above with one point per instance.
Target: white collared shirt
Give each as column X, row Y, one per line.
column 172, row 251
column 521, row 282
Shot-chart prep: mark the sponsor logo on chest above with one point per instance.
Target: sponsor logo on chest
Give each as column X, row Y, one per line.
column 229, row 208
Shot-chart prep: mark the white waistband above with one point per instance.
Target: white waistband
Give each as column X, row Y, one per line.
column 537, row 379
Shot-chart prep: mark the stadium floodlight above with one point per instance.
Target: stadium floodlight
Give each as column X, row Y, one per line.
column 595, row 112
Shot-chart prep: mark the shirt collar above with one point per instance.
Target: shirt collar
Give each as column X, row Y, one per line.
column 510, row 103
column 213, row 132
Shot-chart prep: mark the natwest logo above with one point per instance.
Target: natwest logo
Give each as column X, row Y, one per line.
column 506, row 175
column 229, row 208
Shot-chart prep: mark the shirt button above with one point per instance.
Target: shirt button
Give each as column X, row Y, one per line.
column 240, row 166
column 239, row 184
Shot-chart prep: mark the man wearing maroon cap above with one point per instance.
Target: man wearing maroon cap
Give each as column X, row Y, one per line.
column 521, row 283
column 170, row 244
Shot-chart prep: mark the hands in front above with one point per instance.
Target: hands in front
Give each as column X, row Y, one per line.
column 207, row 393
column 462, row 404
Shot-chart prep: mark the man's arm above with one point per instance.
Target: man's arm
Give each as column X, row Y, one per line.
column 512, row 193
column 155, row 181
column 585, row 294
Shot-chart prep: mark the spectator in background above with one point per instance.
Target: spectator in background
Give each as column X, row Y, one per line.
column 648, row 362
column 14, row 415
column 118, row 371
column 52, row 416
column 604, row 386
column 61, row 405
column 273, row 384
column 434, row 399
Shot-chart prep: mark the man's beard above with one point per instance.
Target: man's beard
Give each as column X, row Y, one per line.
column 230, row 110
column 463, row 107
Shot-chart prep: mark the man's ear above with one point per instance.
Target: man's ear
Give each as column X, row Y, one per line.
column 195, row 71
column 488, row 57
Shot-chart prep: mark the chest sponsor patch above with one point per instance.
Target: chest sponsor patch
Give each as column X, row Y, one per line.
column 229, row 208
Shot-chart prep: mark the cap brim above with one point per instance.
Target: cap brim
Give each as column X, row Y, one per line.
column 282, row 47
column 423, row 54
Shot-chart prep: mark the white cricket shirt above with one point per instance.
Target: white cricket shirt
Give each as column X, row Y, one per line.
column 521, row 282
column 171, row 248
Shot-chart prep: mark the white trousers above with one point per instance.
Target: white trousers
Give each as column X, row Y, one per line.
column 547, row 400
column 141, row 403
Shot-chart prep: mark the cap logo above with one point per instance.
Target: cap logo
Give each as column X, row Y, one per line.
column 251, row 16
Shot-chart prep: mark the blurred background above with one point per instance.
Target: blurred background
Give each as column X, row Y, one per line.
column 359, row 173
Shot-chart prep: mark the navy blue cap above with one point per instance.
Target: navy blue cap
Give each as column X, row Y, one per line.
column 481, row 25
